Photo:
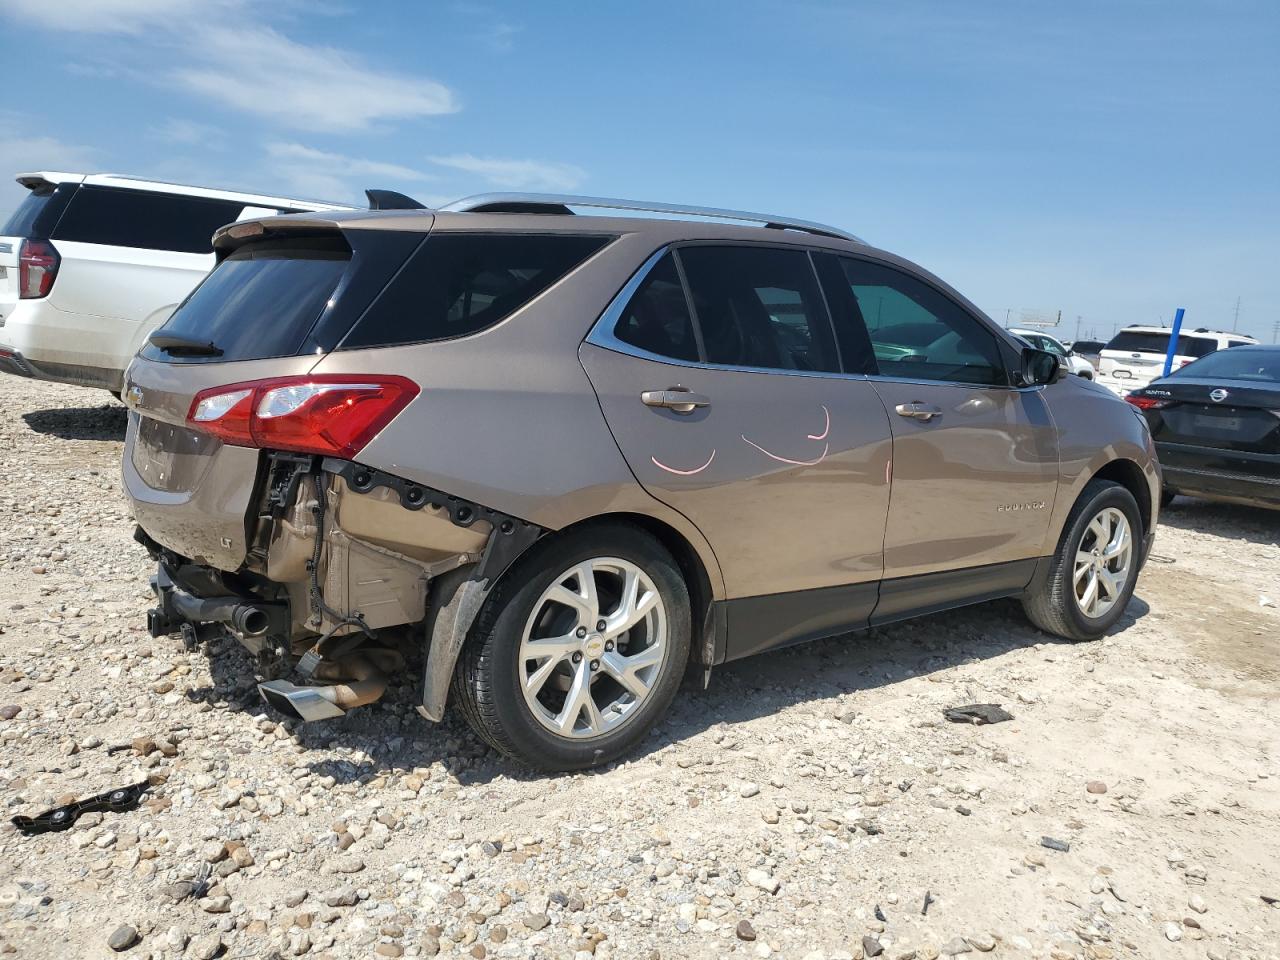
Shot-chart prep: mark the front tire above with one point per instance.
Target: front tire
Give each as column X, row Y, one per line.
column 1093, row 572
column 578, row 651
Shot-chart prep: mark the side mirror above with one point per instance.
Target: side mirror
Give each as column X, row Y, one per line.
column 1040, row 367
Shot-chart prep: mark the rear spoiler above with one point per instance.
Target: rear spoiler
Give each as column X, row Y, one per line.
column 390, row 200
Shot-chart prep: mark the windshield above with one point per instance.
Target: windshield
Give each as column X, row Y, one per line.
column 1260, row 365
column 1139, row 341
column 261, row 301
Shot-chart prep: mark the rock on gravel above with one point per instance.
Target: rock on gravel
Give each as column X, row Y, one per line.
column 122, row 938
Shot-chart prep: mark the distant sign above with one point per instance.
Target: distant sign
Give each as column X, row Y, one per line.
column 1039, row 318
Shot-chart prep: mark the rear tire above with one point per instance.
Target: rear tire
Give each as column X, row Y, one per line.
column 536, row 690
column 1090, row 551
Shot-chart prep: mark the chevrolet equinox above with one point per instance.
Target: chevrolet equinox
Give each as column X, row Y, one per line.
column 566, row 457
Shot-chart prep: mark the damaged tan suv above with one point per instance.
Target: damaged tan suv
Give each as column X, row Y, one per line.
column 562, row 458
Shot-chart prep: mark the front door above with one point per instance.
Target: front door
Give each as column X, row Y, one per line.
column 975, row 460
column 744, row 424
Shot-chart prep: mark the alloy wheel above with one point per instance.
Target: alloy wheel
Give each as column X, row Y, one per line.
column 1104, row 558
column 593, row 648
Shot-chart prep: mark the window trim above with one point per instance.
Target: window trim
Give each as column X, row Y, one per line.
column 602, row 331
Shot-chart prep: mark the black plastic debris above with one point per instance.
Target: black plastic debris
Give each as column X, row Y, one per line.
column 62, row 818
column 977, row 713
column 1060, row 845
column 928, row 902
column 880, row 915
column 1269, row 901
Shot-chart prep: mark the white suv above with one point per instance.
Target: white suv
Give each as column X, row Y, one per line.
column 1042, row 341
column 1135, row 356
column 90, row 264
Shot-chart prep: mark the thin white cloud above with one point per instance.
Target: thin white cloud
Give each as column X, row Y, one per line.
column 307, row 172
column 25, row 154
column 309, row 87
column 299, row 155
column 112, row 16
column 189, row 133
column 515, row 174
column 224, row 51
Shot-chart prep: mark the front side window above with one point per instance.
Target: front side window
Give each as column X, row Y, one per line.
column 457, row 284
column 657, row 318
column 759, row 307
column 916, row 332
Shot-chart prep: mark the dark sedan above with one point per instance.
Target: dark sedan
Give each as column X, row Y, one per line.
column 1216, row 425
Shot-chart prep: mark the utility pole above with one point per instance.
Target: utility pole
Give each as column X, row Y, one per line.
column 1275, row 333
column 1078, row 319
column 1235, row 324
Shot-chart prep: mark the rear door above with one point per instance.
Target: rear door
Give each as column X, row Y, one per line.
column 975, row 461
column 735, row 413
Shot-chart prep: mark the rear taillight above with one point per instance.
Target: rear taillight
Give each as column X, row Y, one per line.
column 37, row 269
column 1147, row 403
column 334, row 415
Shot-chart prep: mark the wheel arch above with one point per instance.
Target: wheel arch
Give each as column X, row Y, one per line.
column 704, row 646
column 1129, row 475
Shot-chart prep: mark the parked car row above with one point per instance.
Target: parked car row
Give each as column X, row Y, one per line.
column 1136, row 355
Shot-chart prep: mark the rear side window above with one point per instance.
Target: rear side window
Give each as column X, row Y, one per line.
column 38, row 211
column 261, row 301
column 657, row 317
column 139, row 218
column 759, row 307
column 918, row 333
column 458, row 284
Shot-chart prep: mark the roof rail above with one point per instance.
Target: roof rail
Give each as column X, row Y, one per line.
column 560, row 203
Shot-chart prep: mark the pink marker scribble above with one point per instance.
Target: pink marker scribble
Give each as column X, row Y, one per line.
column 826, row 447
column 683, row 473
column 794, row 463
column 825, row 430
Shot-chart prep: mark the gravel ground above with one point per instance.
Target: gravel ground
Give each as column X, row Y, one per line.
column 810, row 804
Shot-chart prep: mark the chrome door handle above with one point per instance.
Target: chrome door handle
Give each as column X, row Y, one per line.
column 676, row 399
column 918, row 411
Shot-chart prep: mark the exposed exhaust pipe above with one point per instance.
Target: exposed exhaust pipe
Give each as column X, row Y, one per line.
column 249, row 619
column 365, row 683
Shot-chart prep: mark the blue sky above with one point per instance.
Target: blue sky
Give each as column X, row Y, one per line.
column 1112, row 160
